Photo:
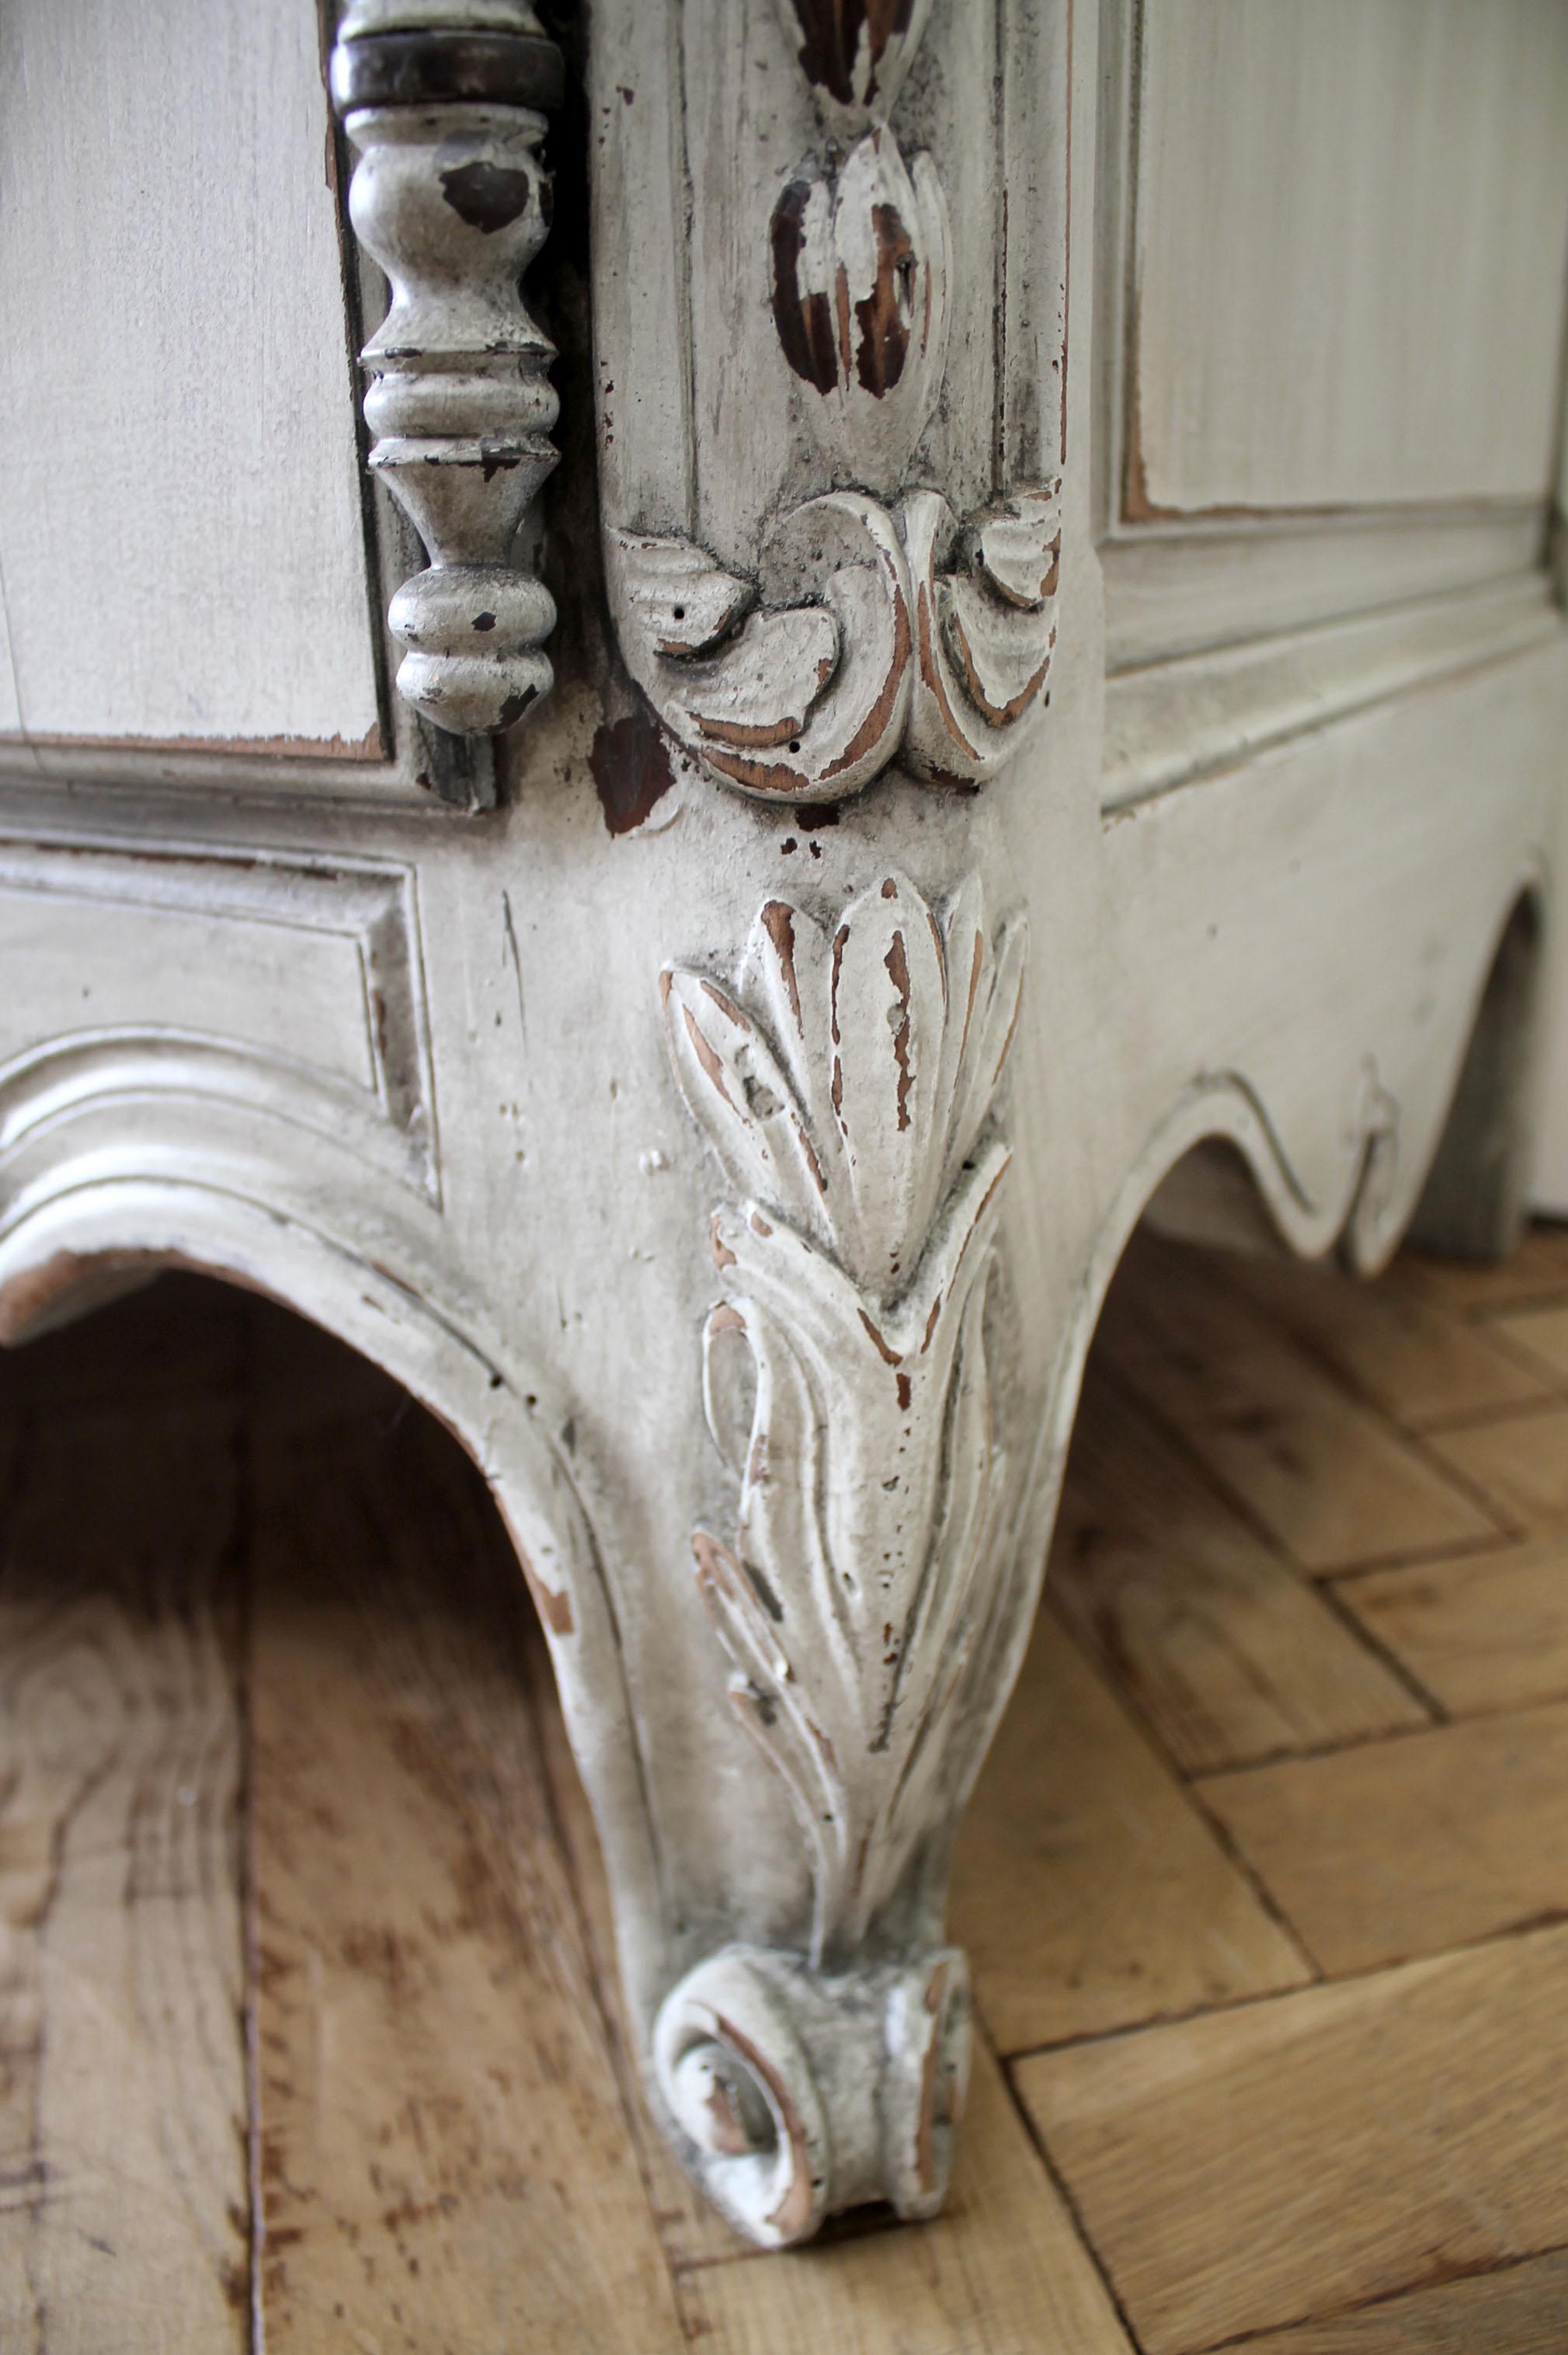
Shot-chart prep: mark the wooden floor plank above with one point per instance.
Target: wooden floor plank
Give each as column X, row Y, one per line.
column 1420, row 1362
column 1329, row 1478
column 1541, row 1335
column 445, row 2160
column 1400, row 1848
column 123, row 2082
column 1001, row 2272
column 456, row 2155
column 1536, row 1272
column 1484, row 1631
column 1519, row 1463
column 1228, row 1651
column 1089, row 1892
column 1519, row 2310
column 1250, row 2169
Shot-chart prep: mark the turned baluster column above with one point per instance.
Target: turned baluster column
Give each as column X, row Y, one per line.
column 444, row 101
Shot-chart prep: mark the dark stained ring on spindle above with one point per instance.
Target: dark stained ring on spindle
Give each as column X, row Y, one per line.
column 435, row 69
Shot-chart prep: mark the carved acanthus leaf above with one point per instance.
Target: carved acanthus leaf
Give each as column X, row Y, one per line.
column 847, row 1087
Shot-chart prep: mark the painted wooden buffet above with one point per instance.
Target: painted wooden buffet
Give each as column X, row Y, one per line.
column 972, row 657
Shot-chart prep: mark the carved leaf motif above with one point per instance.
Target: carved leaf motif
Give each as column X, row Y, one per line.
column 860, row 270
column 984, row 626
column 808, row 697
column 847, row 1087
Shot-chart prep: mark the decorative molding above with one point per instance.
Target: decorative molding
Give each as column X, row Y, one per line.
column 445, row 106
column 880, row 612
column 848, row 1088
column 339, row 1051
column 847, row 1085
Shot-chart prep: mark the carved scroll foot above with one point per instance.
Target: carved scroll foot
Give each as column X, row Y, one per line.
column 794, row 2092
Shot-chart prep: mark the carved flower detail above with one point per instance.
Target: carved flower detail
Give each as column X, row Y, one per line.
column 861, row 267
column 847, row 1089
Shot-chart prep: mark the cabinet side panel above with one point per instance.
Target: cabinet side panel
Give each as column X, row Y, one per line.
column 1351, row 221
column 180, row 521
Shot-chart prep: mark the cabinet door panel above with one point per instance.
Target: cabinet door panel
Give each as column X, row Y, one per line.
column 1351, row 219
column 181, row 530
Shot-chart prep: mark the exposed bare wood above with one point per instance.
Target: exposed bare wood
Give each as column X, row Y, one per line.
column 1002, row 2269
column 1390, row 1341
column 1485, row 1631
column 1522, row 2307
column 1541, row 1335
column 123, row 2110
column 1215, row 2224
column 1324, row 1475
column 444, row 2153
column 1519, row 1463
column 1088, row 1889
column 1227, row 1650
column 1476, row 1814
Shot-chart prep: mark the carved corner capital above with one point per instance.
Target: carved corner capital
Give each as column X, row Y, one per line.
column 444, row 101
column 867, row 575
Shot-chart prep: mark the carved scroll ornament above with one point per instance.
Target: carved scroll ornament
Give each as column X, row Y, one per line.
column 443, row 99
column 848, row 1087
column 869, row 628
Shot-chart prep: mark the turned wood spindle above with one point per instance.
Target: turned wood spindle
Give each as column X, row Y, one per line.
column 444, row 100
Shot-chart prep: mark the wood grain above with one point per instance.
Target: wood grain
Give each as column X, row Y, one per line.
column 1332, row 1482
column 1377, row 1854
column 122, row 2148
column 1226, row 1649
column 1521, row 2309
column 1540, row 1334
column 129, row 261
column 445, row 2161
column 1286, row 356
column 1089, row 1892
column 1536, row 1272
column 1001, row 2272
column 1519, row 1465
column 1247, row 2170
column 434, row 1921
column 1487, row 1631
column 1389, row 1340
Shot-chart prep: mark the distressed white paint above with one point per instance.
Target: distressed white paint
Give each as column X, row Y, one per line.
column 10, row 705
column 1352, row 231
column 181, row 527
column 536, row 1210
